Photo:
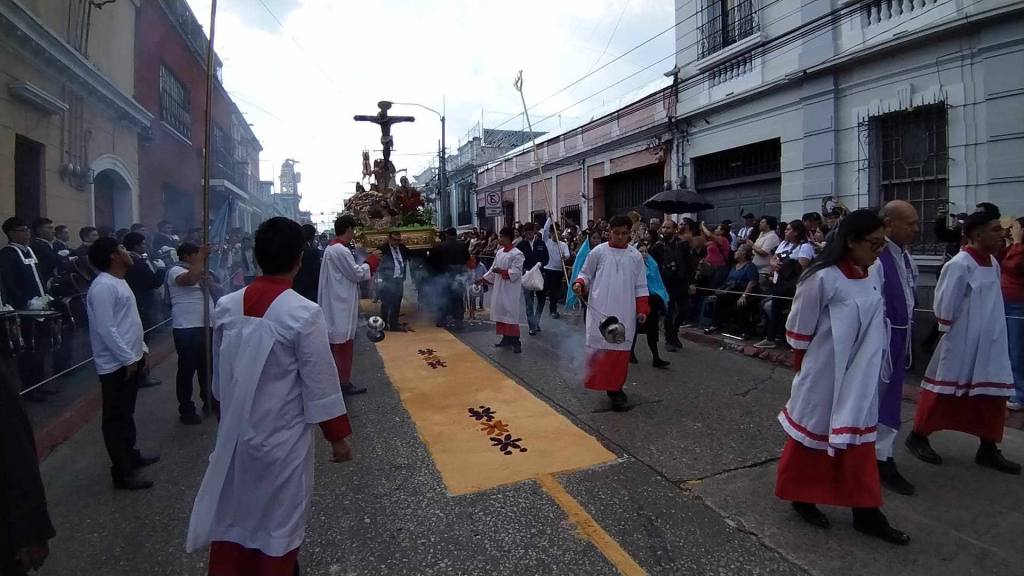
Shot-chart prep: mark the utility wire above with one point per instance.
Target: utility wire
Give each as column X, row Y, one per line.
column 300, row 47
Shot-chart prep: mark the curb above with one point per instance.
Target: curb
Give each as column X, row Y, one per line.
column 784, row 358
column 64, row 427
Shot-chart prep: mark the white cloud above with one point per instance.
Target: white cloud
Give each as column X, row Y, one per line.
column 462, row 53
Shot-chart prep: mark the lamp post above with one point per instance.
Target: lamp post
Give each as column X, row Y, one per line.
column 442, row 163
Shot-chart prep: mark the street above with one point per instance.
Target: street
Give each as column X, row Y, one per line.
column 686, row 487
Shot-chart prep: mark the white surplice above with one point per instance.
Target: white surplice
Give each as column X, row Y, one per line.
column 840, row 323
column 507, row 294
column 972, row 357
column 259, row 483
column 614, row 279
column 339, row 291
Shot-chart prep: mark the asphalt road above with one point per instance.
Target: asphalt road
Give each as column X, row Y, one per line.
column 690, row 492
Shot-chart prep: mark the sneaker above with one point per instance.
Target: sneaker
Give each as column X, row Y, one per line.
column 812, row 515
column 556, row 315
column 892, row 479
column 190, row 419
column 352, row 390
column 533, row 332
column 1014, row 406
column 989, row 456
column 921, row 448
column 661, row 364
column 765, row 344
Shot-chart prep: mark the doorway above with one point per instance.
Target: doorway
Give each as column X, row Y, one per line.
column 28, row 178
column 112, row 200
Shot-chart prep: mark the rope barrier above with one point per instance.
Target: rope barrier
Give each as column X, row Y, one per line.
column 79, row 365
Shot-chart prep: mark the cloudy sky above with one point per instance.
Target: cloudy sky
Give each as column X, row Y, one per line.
column 300, row 81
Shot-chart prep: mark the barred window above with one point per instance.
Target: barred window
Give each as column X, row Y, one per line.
column 726, row 22
column 174, row 103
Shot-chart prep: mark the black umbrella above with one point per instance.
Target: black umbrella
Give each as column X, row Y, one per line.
column 678, row 201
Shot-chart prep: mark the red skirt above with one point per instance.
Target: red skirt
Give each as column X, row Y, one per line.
column 981, row 416
column 606, row 370
column 503, row 329
column 233, row 559
column 849, row 479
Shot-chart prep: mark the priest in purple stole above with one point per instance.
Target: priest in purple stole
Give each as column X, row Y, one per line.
column 899, row 285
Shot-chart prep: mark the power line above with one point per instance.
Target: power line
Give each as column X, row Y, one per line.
column 299, row 45
column 611, row 36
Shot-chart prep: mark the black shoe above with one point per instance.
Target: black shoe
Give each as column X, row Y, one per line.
column 892, row 479
column 533, row 332
column 149, row 382
column 619, row 401
column 132, row 483
column 141, row 461
column 190, row 419
column 812, row 515
column 672, row 346
column 517, row 347
column 920, row 447
column 556, row 315
column 352, row 390
column 989, row 456
column 661, row 364
column 632, row 359
column 872, row 522
column 505, row 341
column 207, row 408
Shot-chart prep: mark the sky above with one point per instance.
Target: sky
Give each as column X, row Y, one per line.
column 300, row 69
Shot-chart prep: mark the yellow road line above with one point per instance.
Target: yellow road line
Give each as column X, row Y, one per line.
column 589, row 527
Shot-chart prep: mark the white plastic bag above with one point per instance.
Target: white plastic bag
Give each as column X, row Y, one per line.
column 534, row 279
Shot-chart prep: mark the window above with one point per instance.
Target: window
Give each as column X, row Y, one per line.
column 726, row 22
column 909, row 161
column 571, row 214
column 174, row 104
column 744, row 162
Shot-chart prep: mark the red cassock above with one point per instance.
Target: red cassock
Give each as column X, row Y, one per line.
column 981, row 416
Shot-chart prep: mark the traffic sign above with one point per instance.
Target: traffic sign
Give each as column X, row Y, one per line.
column 492, row 204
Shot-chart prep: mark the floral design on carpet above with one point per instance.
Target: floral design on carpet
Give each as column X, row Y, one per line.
column 497, row 431
column 432, row 359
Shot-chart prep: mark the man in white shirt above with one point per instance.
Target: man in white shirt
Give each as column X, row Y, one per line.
column 765, row 245
column 339, row 297
column 185, row 281
column 558, row 254
column 115, row 332
column 746, row 232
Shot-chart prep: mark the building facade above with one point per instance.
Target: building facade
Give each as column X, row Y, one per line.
column 69, row 124
column 286, row 200
column 170, row 80
column 787, row 103
column 607, row 166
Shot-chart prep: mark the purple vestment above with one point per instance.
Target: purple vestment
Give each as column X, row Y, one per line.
column 897, row 315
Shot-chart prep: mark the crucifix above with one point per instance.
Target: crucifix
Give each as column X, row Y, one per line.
column 384, row 121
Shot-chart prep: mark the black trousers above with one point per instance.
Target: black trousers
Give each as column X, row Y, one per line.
column 119, row 394
column 190, row 345
column 651, row 326
column 391, row 301
column 552, row 290
column 728, row 310
column 777, row 315
column 452, row 296
column 678, row 310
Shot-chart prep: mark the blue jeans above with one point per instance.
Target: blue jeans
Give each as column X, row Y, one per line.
column 532, row 309
column 1015, row 337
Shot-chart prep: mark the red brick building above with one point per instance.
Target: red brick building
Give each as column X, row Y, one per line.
column 170, row 82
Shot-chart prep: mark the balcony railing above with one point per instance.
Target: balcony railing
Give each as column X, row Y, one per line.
column 726, row 22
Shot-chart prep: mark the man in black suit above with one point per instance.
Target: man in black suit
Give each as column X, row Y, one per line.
column 43, row 247
column 394, row 266
column 144, row 278
column 307, row 281
column 18, row 266
column 27, row 526
column 454, row 256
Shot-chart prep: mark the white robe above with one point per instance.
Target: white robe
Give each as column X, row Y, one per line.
column 614, row 279
column 840, row 323
column 275, row 378
column 972, row 357
column 507, row 295
column 339, row 292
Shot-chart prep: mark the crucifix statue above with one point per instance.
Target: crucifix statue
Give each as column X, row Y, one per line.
column 384, row 121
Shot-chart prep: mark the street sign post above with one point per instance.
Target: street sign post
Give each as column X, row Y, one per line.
column 492, row 204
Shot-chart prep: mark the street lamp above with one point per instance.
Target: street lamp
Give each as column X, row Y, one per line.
column 442, row 161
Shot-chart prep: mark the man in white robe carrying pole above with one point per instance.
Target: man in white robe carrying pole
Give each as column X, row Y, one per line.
column 969, row 378
column 340, row 276
column 275, row 380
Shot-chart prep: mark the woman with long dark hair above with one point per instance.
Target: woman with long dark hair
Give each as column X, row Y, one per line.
column 837, row 330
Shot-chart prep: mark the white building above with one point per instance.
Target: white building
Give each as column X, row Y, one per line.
column 786, row 102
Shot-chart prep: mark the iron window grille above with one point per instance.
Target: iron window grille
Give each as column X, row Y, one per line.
column 174, row 103
column 726, row 22
column 571, row 213
column 743, row 162
column 909, row 160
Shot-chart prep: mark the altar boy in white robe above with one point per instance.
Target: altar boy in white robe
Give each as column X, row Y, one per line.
column 613, row 283
column 969, row 378
column 837, row 330
column 275, row 380
column 338, row 295
column 506, row 275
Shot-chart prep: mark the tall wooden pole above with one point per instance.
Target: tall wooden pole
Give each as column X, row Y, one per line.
column 211, row 59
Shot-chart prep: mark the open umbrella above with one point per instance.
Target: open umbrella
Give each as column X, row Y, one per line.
column 678, row 201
